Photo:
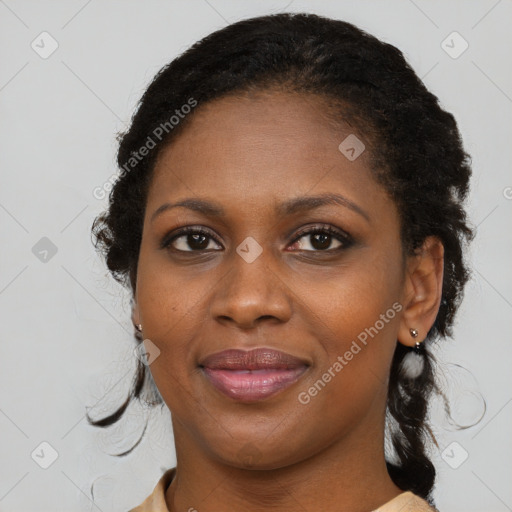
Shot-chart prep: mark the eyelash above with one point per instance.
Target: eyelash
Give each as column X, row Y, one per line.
column 345, row 239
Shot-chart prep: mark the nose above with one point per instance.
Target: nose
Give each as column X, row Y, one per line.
column 251, row 293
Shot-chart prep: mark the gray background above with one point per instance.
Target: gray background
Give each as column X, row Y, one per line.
column 65, row 325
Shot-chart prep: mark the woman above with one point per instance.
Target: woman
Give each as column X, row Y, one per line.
column 289, row 218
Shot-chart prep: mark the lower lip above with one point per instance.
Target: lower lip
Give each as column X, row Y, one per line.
column 253, row 385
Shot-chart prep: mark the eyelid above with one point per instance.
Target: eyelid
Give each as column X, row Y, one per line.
column 323, row 228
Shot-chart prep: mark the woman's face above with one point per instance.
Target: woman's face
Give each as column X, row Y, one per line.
column 330, row 302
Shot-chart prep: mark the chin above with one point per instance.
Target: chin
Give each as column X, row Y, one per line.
column 256, row 454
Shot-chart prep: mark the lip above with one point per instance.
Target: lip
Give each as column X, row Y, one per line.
column 253, row 375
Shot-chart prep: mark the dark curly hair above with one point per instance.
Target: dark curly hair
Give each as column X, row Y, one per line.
column 416, row 154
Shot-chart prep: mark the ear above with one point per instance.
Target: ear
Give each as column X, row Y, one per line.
column 423, row 289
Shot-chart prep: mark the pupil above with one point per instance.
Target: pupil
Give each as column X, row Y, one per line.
column 325, row 240
column 195, row 241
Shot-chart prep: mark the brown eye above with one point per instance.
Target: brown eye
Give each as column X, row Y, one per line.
column 190, row 240
column 321, row 239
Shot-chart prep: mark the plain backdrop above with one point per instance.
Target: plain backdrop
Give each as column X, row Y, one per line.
column 66, row 336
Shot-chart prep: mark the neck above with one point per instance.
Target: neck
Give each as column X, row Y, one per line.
column 348, row 476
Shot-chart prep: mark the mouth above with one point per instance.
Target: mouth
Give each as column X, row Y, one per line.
column 254, row 375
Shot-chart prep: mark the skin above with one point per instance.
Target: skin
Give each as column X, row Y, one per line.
column 248, row 154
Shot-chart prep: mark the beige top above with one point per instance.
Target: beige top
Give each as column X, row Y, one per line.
column 405, row 502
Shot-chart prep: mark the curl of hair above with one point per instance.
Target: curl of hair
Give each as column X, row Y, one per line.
column 416, row 151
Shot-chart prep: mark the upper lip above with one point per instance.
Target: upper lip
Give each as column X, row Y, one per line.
column 255, row 359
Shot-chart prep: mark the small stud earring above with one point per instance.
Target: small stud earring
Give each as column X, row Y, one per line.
column 414, row 333
column 138, row 327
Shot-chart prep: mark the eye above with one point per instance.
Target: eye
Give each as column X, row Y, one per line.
column 189, row 239
column 321, row 239
column 197, row 239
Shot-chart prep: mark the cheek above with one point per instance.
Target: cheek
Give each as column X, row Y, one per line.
column 169, row 315
column 163, row 298
column 351, row 299
column 170, row 312
column 356, row 321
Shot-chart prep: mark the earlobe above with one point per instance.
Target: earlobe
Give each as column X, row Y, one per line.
column 135, row 314
column 422, row 291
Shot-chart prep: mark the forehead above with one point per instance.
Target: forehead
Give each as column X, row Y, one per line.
column 263, row 146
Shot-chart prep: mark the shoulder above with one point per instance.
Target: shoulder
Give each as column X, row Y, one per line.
column 155, row 502
column 406, row 502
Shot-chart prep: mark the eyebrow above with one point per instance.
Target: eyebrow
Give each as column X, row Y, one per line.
column 295, row 205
